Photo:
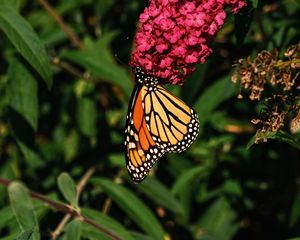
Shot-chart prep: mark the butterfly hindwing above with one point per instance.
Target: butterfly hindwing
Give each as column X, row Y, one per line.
column 157, row 122
column 172, row 124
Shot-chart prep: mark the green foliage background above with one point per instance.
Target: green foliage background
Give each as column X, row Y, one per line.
column 67, row 114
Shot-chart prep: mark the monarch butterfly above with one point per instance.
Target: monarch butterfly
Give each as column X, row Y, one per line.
column 157, row 123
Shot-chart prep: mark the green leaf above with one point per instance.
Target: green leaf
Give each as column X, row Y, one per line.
column 22, row 98
column 139, row 236
column 87, row 116
column 251, row 142
column 187, row 177
column 218, row 221
column 25, row 235
column 22, row 92
column 100, row 62
column 213, row 97
column 287, row 138
column 91, row 233
column 6, row 216
column 105, row 221
column 161, row 195
column 242, row 22
column 183, row 188
column 68, row 188
column 14, row 4
column 26, row 41
column 233, row 187
column 23, row 209
column 116, row 160
column 73, row 231
column 134, row 208
column 12, row 236
column 280, row 135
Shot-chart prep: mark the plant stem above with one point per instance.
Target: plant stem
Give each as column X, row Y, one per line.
column 283, row 64
column 74, row 39
column 55, row 234
column 65, row 209
column 67, row 67
column 108, row 201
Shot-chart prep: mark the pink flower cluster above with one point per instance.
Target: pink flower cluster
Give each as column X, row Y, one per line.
column 174, row 35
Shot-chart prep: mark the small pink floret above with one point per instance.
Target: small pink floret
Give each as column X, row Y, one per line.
column 174, row 35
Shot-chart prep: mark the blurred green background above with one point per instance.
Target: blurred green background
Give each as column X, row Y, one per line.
column 217, row 189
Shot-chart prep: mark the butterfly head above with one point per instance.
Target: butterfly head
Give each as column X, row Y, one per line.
column 143, row 77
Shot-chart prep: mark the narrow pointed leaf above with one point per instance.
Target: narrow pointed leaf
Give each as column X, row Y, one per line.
column 161, row 195
column 22, row 98
column 218, row 221
column 134, row 208
column 22, row 92
column 280, row 136
column 213, row 97
column 101, row 65
column 105, row 221
column 139, row 236
column 26, row 41
column 187, row 177
column 14, row 4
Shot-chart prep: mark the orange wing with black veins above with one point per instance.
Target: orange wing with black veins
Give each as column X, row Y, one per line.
column 141, row 149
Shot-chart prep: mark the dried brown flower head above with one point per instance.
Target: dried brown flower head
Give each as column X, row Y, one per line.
column 295, row 123
column 281, row 101
column 272, row 116
column 254, row 74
